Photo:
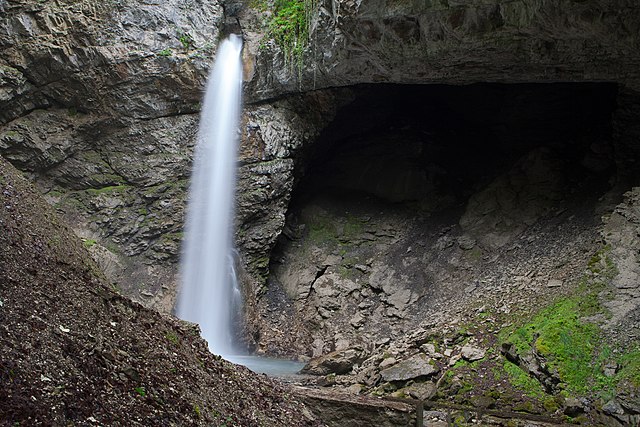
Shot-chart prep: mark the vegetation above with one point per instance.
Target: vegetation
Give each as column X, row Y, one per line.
column 108, row 189
column 172, row 337
column 288, row 26
column 567, row 338
column 88, row 243
column 185, row 40
column 522, row 381
column 165, row 52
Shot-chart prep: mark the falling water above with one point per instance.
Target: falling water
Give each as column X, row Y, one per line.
column 209, row 286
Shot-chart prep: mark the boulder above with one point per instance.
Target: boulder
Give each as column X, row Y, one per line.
column 337, row 362
column 422, row 391
column 418, row 366
column 472, row 354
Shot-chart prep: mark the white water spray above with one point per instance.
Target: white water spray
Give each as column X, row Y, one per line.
column 209, row 286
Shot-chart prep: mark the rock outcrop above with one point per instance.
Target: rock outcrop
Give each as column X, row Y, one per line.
column 385, row 41
column 99, row 105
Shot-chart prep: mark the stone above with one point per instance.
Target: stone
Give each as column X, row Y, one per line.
column 436, row 416
column 337, row 362
column 421, row 390
column 362, row 268
column 483, row 401
column 573, row 407
column 466, row 242
column 355, row 389
column 389, row 361
column 472, row 354
column 554, row 283
column 612, row 408
column 400, row 299
column 454, row 359
column 429, row 349
column 417, row 366
column 610, row 369
column 357, row 321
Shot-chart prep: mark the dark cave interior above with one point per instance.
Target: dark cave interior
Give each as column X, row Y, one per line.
column 405, row 143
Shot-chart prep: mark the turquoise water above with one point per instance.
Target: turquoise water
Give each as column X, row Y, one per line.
column 265, row 365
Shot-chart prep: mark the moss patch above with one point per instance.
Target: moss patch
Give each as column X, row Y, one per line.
column 573, row 346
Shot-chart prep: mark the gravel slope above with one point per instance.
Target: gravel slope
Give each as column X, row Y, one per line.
column 75, row 352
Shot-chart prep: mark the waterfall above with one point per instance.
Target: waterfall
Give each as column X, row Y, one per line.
column 209, row 290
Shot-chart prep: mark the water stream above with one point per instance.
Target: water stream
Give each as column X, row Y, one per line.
column 209, row 294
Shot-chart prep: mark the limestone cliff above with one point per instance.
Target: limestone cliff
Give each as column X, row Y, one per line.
column 469, row 185
column 99, row 105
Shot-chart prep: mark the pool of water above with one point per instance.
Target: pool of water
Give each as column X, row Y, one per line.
column 266, row 365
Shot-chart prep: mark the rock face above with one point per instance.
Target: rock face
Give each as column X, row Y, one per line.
column 98, row 104
column 320, row 295
column 386, row 41
column 364, row 210
column 99, row 101
column 407, row 219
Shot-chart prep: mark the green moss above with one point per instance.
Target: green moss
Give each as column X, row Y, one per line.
column 165, row 52
column 572, row 346
column 352, row 228
column 108, row 189
column 567, row 343
column 289, row 26
column 88, row 243
column 629, row 367
column 521, row 380
column 185, row 39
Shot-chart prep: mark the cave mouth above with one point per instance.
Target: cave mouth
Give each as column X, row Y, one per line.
column 416, row 144
column 416, row 199
column 426, row 151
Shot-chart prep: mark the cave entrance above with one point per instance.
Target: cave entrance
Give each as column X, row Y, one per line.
column 414, row 143
column 417, row 199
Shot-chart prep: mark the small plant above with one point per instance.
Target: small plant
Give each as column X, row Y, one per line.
column 172, row 337
column 186, row 40
column 165, row 52
column 88, row 243
column 289, row 27
column 141, row 391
